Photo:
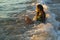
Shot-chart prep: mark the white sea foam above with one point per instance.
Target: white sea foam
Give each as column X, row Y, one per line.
column 48, row 31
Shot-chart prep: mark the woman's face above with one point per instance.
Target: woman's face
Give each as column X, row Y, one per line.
column 37, row 9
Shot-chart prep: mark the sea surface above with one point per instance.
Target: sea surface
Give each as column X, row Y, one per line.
column 12, row 6
column 12, row 24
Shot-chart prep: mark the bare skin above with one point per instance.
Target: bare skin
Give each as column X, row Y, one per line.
column 39, row 12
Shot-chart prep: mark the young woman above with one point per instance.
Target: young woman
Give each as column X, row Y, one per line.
column 40, row 15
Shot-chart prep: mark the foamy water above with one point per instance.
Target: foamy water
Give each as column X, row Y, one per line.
column 48, row 31
column 20, row 31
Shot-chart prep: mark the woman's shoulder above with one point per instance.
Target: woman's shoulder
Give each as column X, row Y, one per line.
column 34, row 18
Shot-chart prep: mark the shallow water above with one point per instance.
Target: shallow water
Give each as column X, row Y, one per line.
column 15, row 29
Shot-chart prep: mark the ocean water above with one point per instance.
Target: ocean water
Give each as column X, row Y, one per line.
column 12, row 6
column 14, row 28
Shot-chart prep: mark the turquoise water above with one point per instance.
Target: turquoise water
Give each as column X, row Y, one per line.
column 12, row 6
column 12, row 1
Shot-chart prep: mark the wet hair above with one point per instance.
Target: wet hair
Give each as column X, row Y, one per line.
column 40, row 7
column 43, row 16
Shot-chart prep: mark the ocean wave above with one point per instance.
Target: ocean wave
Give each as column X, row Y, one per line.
column 15, row 28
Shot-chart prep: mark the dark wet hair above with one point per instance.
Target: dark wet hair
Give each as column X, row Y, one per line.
column 43, row 15
column 40, row 7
